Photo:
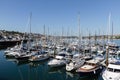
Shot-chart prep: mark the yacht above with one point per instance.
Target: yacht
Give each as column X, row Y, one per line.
column 25, row 55
column 91, row 67
column 58, row 61
column 94, row 49
column 87, row 57
column 12, row 54
column 74, row 64
column 101, row 51
column 99, row 57
column 112, row 72
column 39, row 57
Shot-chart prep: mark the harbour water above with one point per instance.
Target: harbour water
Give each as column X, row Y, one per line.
column 11, row 69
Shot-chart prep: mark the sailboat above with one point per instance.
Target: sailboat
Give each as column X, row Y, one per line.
column 43, row 55
column 60, row 60
column 28, row 53
column 76, row 62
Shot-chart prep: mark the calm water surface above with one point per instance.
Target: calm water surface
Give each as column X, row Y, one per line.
column 11, row 69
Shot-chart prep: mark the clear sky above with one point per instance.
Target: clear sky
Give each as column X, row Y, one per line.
column 58, row 14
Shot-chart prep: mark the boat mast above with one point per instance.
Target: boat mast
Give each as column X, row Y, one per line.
column 95, row 38
column 29, row 40
column 48, row 33
column 79, row 28
column 107, row 48
column 62, row 34
column 109, row 27
column 107, row 51
column 79, row 37
column 44, row 30
column 30, row 21
column 112, row 33
column 89, row 38
column 44, row 35
column 68, row 35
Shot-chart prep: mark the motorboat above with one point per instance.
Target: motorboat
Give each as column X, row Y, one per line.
column 75, row 64
column 24, row 55
column 56, row 62
column 59, row 60
column 99, row 57
column 12, row 54
column 39, row 57
column 112, row 72
column 91, row 67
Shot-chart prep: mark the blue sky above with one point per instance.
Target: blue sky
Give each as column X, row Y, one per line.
column 58, row 14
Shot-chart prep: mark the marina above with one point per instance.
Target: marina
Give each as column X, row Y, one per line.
column 59, row 40
column 36, row 66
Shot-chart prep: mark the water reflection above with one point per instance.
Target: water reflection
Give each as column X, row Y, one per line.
column 94, row 77
column 41, row 71
column 30, row 70
column 10, row 58
column 25, row 70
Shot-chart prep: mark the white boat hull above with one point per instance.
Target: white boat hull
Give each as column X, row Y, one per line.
column 56, row 63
